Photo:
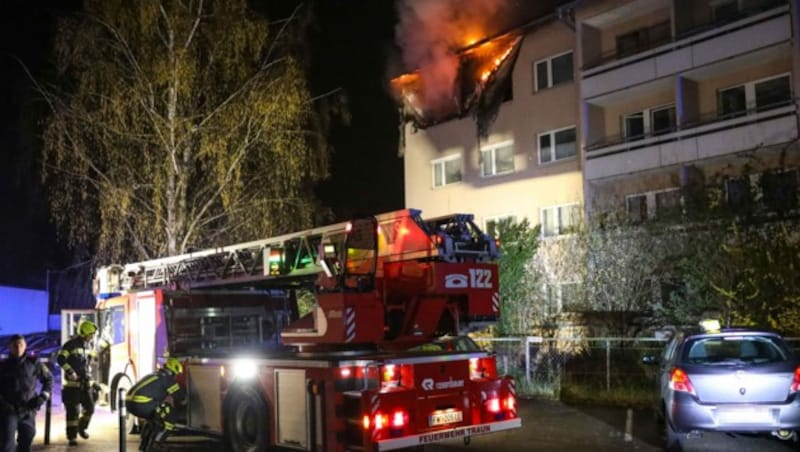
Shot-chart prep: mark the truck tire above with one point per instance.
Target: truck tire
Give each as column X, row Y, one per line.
column 246, row 420
column 121, row 381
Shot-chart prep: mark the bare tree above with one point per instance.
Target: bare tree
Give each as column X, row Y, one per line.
column 179, row 124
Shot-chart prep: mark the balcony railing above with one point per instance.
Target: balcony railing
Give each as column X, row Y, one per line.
column 657, row 38
column 653, row 37
column 703, row 119
column 701, row 26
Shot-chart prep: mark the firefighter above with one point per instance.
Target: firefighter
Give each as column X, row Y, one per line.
column 154, row 398
column 18, row 398
column 79, row 391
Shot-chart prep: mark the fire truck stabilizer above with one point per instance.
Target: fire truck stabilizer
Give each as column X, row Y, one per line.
column 376, row 365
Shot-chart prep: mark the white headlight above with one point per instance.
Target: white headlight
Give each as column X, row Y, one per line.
column 244, row 368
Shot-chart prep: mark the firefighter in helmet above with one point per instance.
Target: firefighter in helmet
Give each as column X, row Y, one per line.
column 154, row 398
column 79, row 391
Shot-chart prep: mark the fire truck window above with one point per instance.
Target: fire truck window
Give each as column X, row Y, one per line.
column 113, row 324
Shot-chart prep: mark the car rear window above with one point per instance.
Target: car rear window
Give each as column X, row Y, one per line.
column 721, row 350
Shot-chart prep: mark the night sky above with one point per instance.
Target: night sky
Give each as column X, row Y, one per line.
column 351, row 42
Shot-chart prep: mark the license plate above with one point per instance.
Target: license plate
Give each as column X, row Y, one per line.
column 745, row 416
column 446, row 417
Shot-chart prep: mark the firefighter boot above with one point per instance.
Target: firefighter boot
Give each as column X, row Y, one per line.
column 83, row 434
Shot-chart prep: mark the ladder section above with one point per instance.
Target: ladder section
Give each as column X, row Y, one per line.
column 402, row 236
column 287, row 256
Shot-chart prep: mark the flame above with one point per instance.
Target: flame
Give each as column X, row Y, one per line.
column 479, row 62
column 492, row 54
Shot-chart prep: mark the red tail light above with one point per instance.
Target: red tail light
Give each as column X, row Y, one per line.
column 679, row 381
column 493, row 405
column 511, row 403
column 380, row 421
column 795, row 381
column 399, row 419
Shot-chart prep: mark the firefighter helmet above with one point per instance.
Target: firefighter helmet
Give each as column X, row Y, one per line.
column 86, row 328
column 174, row 366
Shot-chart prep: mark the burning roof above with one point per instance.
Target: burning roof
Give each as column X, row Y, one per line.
column 482, row 71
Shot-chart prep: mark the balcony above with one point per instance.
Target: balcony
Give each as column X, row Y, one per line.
column 712, row 135
column 691, row 51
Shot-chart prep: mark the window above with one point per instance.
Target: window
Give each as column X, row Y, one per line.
column 637, row 208
column 668, row 204
column 739, row 193
column 775, row 191
column 560, row 220
column 553, row 71
column 732, row 102
column 493, row 225
column 651, row 121
column 780, row 190
column 643, row 39
column 758, row 95
column 662, row 204
column 497, row 159
column 557, row 145
column 772, row 93
column 662, row 120
column 724, row 10
column 446, row 171
column 634, row 126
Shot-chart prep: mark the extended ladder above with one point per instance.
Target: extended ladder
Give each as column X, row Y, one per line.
column 295, row 257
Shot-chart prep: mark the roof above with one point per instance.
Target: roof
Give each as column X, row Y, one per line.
column 481, row 79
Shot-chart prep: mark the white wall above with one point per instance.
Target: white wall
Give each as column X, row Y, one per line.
column 22, row 311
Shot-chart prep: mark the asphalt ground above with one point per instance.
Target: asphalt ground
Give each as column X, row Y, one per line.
column 547, row 426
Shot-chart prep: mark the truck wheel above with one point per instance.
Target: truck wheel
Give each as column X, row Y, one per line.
column 246, row 424
column 121, row 381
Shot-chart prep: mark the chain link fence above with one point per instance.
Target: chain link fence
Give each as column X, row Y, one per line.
column 549, row 367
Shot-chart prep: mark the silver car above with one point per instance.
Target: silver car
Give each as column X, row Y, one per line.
column 728, row 380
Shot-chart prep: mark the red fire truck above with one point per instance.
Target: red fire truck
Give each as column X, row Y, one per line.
column 377, row 363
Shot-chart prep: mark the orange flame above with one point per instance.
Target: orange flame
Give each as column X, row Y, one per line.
column 493, row 53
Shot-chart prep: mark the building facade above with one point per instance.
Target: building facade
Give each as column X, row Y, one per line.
column 644, row 109
column 688, row 104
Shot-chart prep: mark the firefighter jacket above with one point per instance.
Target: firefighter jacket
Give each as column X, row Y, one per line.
column 18, row 378
column 154, row 388
column 77, row 358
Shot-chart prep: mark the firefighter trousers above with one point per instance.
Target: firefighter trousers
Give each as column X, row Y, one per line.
column 161, row 413
column 79, row 407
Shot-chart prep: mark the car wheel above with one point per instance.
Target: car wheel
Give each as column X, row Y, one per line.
column 673, row 440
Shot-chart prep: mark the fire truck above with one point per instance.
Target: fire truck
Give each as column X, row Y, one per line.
column 375, row 363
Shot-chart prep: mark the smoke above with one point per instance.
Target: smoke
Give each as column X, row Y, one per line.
column 430, row 32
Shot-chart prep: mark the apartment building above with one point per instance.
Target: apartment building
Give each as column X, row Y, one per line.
column 688, row 105
column 528, row 164
column 647, row 109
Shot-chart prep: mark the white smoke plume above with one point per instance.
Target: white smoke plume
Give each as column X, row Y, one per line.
column 430, row 32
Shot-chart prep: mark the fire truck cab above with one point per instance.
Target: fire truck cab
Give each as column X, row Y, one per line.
column 365, row 369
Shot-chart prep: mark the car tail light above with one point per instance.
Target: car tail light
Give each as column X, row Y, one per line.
column 679, row 381
column 795, row 381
